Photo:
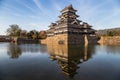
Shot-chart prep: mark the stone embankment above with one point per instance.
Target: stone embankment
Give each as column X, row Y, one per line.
column 110, row 40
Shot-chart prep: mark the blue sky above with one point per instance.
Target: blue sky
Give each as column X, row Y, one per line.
column 38, row 14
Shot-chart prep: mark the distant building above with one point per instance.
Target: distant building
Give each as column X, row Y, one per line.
column 69, row 30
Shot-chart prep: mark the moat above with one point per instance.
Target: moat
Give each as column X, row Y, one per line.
column 59, row 62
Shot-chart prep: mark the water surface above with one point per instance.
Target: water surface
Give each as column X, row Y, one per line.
column 59, row 62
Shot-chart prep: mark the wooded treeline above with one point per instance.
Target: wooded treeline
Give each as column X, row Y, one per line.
column 15, row 31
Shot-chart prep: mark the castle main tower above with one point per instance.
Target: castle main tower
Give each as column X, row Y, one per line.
column 69, row 30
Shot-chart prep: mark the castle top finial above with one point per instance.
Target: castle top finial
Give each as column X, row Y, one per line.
column 70, row 7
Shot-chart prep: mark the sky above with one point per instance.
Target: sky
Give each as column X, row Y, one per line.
column 38, row 14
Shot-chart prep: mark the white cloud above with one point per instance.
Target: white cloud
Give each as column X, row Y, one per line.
column 56, row 5
column 40, row 6
column 26, row 5
column 98, row 15
column 110, row 17
column 34, row 17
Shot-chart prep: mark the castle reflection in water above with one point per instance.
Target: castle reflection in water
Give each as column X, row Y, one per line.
column 68, row 57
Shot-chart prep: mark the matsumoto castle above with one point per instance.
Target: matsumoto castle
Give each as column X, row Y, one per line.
column 69, row 30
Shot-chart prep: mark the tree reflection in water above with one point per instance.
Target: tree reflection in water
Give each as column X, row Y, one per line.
column 112, row 49
column 69, row 56
column 14, row 51
column 33, row 48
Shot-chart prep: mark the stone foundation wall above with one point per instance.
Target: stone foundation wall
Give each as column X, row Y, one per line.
column 76, row 39
column 55, row 39
column 69, row 39
column 108, row 40
column 92, row 39
column 43, row 41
